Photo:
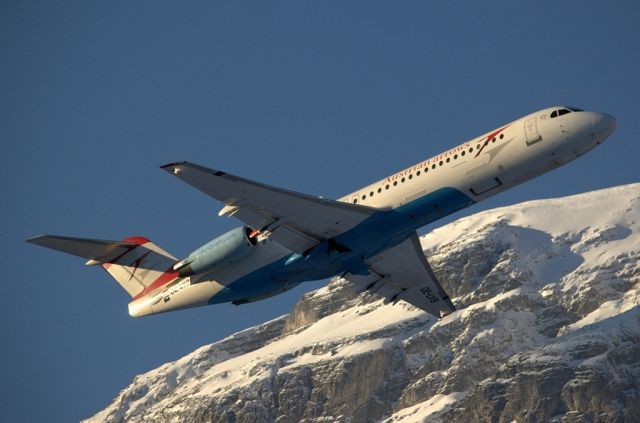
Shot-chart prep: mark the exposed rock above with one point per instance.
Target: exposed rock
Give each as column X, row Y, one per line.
column 548, row 329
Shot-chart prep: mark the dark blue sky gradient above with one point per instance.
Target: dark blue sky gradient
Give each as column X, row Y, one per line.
column 319, row 97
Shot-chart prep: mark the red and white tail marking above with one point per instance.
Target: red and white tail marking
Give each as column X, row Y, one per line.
column 142, row 269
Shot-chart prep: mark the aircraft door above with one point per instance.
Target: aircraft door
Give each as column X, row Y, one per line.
column 532, row 135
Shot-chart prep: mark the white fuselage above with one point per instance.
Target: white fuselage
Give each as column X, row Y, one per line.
column 477, row 169
column 514, row 153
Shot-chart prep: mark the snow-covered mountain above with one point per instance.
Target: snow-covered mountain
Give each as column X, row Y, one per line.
column 548, row 329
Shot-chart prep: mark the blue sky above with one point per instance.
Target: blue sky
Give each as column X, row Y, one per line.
column 319, row 97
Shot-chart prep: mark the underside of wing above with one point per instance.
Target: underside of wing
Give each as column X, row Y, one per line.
column 403, row 273
column 93, row 249
column 297, row 221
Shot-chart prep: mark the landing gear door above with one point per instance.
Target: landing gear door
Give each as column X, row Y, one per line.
column 531, row 131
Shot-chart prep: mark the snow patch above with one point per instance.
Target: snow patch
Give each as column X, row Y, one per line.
column 420, row 412
column 606, row 310
column 561, row 258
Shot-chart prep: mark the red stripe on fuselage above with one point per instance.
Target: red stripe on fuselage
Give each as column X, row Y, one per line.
column 164, row 279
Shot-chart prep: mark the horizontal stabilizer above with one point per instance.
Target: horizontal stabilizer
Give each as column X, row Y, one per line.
column 136, row 263
column 102, row 251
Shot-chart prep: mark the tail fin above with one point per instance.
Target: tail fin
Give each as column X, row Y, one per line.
column 136, row 263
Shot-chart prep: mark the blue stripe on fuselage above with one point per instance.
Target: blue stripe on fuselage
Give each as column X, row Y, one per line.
column 387, row 228
column 381, row 231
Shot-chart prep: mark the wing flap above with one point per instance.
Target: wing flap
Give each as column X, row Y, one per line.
column 294, row 239
column 253, row 218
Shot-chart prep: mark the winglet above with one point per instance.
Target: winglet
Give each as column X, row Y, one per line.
column 172, row 164
column 173, row 168
column 176, row 167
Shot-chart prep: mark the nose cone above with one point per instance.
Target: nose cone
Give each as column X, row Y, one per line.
column 604, row 124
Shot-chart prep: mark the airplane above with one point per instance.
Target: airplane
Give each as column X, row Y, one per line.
column 368, row 236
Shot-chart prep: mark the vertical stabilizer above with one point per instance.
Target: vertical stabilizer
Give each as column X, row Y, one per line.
column 142, row 268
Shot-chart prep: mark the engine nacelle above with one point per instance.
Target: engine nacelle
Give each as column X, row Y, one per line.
column 223, row 250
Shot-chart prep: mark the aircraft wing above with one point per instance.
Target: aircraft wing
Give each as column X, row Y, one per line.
column 403, row 273
column 297, row 221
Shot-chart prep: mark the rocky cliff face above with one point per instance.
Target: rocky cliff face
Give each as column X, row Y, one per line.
column 548, row 329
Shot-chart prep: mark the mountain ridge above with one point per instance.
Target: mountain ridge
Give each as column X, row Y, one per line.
column 547, row 329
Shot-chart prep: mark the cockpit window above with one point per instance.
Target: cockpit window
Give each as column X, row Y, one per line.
column 561, row 112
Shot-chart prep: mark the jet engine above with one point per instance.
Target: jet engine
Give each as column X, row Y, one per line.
column 221, row 251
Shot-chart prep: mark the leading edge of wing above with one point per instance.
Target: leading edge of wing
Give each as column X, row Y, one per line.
column 175, row 168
